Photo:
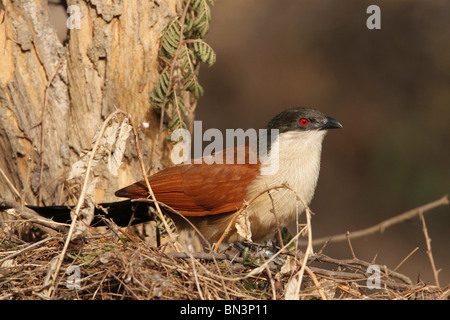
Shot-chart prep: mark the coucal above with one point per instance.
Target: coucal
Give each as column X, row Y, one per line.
column 208, row 195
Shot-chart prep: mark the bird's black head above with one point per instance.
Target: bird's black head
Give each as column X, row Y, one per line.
column 302, row 119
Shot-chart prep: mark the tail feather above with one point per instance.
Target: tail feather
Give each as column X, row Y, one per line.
column 123, row 213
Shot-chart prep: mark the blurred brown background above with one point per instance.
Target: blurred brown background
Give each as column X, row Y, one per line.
column 390, row 88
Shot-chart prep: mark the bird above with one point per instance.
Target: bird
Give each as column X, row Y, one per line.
column 208, row 195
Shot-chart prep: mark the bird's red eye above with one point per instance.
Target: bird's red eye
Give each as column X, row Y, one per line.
column 304, row 121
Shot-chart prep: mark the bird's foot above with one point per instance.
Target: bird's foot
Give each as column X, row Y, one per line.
column 257, row 253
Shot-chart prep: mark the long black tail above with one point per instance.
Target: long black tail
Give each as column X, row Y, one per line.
column 123, row 213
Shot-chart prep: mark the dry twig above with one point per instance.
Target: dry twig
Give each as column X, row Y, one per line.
column 10, row 184
column 244, row 207
column 52, row 287
column 380, row 227
column 429, row 252
column 150, row 190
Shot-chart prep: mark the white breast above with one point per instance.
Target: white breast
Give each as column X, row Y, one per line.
column 298, row 166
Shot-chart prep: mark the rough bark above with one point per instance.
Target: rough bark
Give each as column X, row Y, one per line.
column 54, row 97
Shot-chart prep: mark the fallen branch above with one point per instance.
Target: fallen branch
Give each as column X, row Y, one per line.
column 47, row 225
column 27, row 248
column 360, row 266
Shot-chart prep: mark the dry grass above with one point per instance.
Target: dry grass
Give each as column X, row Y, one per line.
column 112, row 266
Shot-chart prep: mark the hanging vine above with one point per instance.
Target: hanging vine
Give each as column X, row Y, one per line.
column 182, row 50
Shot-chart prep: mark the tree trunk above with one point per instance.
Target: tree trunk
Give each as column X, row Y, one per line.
column 54, row 97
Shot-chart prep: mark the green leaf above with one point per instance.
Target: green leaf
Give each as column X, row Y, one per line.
column 204, row 52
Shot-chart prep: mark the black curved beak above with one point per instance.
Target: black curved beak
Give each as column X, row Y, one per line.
column 331, row 123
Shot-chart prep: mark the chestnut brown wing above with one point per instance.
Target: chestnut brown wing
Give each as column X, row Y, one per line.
column 198, row 189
